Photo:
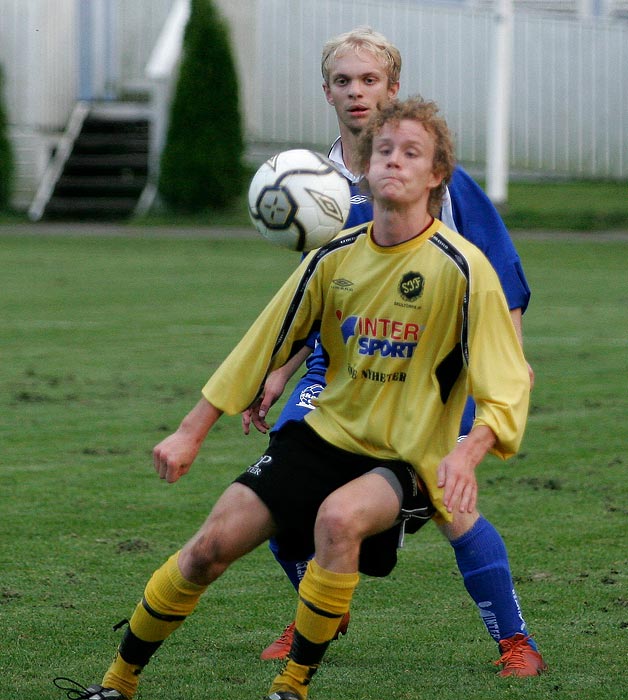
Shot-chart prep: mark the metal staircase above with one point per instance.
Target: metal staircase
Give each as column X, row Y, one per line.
column 100, row 167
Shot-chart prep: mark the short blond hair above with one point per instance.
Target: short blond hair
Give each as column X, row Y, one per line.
column 363, row 39
column 426, row 113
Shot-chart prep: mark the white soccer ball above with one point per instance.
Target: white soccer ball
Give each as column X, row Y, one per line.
column 298, row 199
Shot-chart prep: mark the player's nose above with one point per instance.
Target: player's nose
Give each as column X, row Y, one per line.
column 355, row 89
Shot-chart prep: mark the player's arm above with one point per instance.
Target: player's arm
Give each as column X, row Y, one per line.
column 456, row 472
column 273, row 389
column 517, row 321
column 173, row 456
column 477, row 219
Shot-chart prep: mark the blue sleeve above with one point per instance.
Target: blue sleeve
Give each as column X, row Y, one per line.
column 361, row 211
column 479, row 222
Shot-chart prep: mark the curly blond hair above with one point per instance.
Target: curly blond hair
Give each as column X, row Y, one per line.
column 426, row 113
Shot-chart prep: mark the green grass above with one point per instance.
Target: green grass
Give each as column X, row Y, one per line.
column 567, row 206
column 106, row 343
column 552, row 205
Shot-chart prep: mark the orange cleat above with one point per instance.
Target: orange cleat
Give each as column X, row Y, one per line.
column 519, row 658
column 280, row 648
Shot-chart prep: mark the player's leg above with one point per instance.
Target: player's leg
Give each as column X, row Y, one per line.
column 294, row 570
column 482, row 559
column 238, row 523
column 365, row 506
column 297, row 406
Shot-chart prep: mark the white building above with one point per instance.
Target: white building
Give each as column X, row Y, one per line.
column 565, row 102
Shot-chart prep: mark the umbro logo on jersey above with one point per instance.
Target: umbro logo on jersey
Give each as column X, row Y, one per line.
column 344, row 284
column 359, row 199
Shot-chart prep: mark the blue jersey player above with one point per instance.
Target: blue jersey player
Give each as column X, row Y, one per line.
column 361, row 72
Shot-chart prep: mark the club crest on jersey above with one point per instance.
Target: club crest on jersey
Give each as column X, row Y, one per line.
column 411, row 286
column 380, row 336
column 307, row 396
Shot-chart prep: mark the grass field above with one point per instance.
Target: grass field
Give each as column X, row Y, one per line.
column 573, row 205
column 106, row 343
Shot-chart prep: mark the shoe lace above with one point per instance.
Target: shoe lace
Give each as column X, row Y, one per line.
column 75, row 691
column 286, row 636
column 513, row 651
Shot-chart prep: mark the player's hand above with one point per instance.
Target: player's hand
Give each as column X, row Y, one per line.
column 531, row 373
column 256, row 413
column 456, row 472
column 457, row 477
column 252, row 415
column 173, row 457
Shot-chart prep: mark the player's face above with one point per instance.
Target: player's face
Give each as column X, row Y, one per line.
column 358, row 86
column 401, row 169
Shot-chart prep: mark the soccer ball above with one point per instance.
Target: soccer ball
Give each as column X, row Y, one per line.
column 298, row 200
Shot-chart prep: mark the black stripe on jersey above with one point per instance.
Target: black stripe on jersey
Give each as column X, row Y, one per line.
column 325, row 250
column 449, row 369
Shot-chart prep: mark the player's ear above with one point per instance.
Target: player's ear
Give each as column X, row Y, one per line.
column 393, row 90
column 436, row 179
column 328, row 95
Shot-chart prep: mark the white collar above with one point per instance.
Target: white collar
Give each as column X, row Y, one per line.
column 335, row 155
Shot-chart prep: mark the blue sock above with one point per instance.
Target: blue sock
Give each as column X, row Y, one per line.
column 295, row 570
column 483, row 562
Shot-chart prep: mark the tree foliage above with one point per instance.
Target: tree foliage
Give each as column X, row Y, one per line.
column 202, row 161
column 6, row 154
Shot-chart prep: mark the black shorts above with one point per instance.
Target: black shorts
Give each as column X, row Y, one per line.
column 297, row 473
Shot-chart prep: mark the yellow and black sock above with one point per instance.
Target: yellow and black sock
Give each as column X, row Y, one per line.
column 168, row 600
column 324, row 597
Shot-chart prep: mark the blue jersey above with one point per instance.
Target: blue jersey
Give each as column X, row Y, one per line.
column 466, row 209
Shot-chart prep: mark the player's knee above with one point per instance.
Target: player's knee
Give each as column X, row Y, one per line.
column 204, row 558
column 336, row 520
column 460, row 525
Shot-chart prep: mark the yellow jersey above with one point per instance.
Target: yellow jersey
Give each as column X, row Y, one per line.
column 410, row 330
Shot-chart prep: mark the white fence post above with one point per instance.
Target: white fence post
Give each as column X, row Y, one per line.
column 498, row 105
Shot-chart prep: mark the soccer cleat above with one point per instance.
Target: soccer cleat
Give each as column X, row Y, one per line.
column 280, row 648
column 519, row 658
column 283, row 695
column 94, row 692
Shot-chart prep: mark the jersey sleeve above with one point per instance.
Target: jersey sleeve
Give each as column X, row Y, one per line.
column 279, row 332
column 478, row 221
column 498, row 375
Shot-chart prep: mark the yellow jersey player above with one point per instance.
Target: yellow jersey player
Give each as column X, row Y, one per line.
column 413, row 319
